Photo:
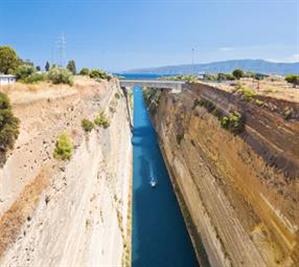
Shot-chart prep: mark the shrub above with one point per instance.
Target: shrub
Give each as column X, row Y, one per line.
column 237, row 73
column 259, row 102
column 35, row 77
column 117, row 95
column 63, row 147
column 9, row 124
column 102, row 121
column 87, row 125
column 71, row 66
column 234, row 122
column 24, row 71
column 60, row 75
column 209, row 105
column 293, row 79
column 247, row 93
column 225, row 77
column 187, row 78
column 99, row 74
column 84, row 71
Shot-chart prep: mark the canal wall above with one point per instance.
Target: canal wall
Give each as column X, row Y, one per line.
column 68, row 213
column 234, row 165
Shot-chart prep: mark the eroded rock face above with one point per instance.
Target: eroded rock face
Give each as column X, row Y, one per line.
column 72, row 213
column 238, row 191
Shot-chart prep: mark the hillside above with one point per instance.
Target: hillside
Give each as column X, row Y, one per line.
column 256, row 65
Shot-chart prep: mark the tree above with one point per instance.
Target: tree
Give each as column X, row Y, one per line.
column 294, row 79
column 47, row 66
column 38, row 68
column 71, row 66
column 9, row 60
column 84, row 71
column 238, row 73
column 24, row 71
column 9, row 127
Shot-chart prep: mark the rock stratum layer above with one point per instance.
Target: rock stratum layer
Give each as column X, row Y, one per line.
column 238, row 191
column 73, row 213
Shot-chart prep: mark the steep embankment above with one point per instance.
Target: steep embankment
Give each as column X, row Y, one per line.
column 73, row 213
column 237, row 184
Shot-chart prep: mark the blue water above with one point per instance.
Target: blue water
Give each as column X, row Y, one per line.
column 160, row 237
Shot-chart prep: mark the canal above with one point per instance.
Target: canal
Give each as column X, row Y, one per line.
column 160, row 237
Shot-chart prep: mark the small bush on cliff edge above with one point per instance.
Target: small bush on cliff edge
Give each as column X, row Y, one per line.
column 87, row 125
column 60, row 75
column 102, row 121
column 63, row 147
column 234, row 122
column 9, row 126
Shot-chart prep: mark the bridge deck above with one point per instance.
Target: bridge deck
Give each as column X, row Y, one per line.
column 159, row 84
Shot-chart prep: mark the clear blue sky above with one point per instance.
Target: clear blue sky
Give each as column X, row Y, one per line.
column 120, row 35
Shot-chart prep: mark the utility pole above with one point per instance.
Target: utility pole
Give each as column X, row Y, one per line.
column 61, row 44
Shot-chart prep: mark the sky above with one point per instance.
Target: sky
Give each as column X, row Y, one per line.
column 118, row 35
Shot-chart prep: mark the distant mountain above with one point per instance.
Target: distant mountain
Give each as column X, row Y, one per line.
column 254, row 65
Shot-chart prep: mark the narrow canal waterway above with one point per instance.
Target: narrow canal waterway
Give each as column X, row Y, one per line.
column 160, row 237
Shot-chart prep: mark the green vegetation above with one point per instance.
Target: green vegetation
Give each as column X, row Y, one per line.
column 84, row 72
column 248, row 93
column 24, row 71
column 28, row 74
column 87, row 125
column 259, row 102
column 99, row 74
column 9, row 125
column 238, row 74
column 63, row 147
column 234, row 122
column 225, row 77
column 102, row 121
column 35, row 77
column 9, row 61
column 47, row 66
column 60, row 75
column 209, row 105
column 293, row 79
column 71, row 66
column 187, row 78
column 131, row 99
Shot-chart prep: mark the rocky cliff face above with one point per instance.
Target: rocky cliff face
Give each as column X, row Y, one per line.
column 234, row 163
column 73, row 213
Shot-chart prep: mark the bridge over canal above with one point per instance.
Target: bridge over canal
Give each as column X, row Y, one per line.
column 174, row 86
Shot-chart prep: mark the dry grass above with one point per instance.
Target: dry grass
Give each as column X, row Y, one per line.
column 278, row 88
column 13, row 219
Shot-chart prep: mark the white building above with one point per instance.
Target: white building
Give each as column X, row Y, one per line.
column 7, row 79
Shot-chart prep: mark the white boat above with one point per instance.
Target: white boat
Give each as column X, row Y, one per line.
column 153, row 182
